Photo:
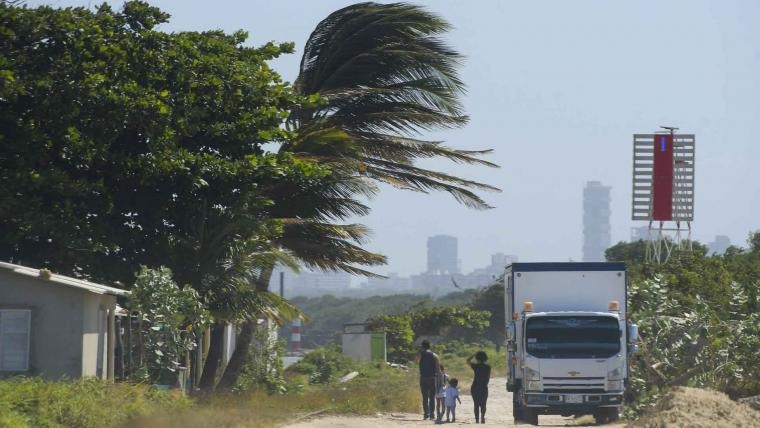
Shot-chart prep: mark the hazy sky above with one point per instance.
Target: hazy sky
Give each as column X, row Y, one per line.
column 557, row 88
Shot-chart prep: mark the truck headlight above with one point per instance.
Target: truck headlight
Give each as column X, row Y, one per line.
column 532, row 379
column 616, row 374
column 614, row 385
column 531, row 374
column 533, row 385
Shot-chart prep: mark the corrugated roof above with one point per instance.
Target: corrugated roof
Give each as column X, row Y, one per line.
column 64, row 280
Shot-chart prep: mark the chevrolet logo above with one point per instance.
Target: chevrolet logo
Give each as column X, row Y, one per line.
column 573, row 373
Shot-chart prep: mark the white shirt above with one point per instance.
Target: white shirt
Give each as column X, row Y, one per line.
column 450, row 396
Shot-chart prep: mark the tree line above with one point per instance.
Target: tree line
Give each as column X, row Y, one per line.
column 698, row 319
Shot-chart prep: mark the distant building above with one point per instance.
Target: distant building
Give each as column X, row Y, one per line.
column 596, row 221
column 440, row 284
column 719, row 245
column 437, row 284
column 484, row 276
column 311, row 283
column 392, row 284
column 442, row 255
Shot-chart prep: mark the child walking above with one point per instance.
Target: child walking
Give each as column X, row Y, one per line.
column 441, row 382
column 451, row 397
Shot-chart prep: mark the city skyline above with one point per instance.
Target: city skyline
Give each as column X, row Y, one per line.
column 557, row 114
column 437, row 280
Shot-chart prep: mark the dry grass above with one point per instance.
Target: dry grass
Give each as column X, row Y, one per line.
column 395, row 392
column 692, row 407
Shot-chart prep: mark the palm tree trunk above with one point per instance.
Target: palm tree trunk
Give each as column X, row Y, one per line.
column 243, row 343
column 239, row 356
column 211, row 366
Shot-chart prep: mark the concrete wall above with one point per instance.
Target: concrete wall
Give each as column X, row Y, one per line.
column 95, row 333
column 56, row 326
column 358, row 346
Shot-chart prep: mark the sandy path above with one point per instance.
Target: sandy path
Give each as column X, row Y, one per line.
column 499, row 414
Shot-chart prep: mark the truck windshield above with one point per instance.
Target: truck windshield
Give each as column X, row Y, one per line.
column 573, row 337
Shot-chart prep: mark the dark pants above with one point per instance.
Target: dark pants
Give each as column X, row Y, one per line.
column 427, row 387
column 479, row 397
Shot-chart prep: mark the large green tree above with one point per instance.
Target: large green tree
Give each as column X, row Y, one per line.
column 121, row 146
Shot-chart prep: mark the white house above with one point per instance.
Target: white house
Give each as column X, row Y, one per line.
column 55, row 326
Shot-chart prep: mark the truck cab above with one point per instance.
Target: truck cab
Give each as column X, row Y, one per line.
column 568, row 339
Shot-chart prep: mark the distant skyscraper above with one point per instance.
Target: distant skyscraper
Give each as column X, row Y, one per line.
column 719, row 245
column 499, row 261
column 442, row 254
column 596, row 221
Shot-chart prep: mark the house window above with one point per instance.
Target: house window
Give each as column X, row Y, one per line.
column 14, row 339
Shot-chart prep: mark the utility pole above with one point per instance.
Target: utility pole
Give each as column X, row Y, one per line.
column 282, row 284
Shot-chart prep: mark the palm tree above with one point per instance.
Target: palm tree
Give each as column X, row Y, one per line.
column 307, row 238
column 384, row 76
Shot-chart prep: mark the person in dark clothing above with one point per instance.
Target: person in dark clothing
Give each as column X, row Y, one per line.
column 479, row 389
column 430, row 367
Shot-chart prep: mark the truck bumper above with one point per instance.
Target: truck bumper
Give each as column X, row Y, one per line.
column 571, row 403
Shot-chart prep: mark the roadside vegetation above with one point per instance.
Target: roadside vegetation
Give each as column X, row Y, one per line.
column 698, row 320
column 311, row 386
column 33, row 402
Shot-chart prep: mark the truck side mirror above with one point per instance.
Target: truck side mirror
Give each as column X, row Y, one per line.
column 510, row 332
column 633, row 333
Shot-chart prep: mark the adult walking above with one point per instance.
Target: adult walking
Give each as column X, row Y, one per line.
column 479, row 389
column 430, row 367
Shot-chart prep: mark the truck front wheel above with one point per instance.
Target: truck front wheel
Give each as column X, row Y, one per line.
column 613, row 414
column 606, row 415
column 517, row 412
column 530, row 415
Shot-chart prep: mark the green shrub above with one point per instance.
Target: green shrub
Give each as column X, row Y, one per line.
column 174, row 317
column 402, row 330
column 324, row 365
column 34, row 402
column 264, row 368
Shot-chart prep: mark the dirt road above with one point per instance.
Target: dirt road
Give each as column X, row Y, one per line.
column 499, row 414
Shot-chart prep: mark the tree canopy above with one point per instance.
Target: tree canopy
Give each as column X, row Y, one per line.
column 122, row 145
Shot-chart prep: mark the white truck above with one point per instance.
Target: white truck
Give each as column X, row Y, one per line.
column 568, row 339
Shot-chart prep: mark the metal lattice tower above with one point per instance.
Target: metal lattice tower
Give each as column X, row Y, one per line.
column 663, row 167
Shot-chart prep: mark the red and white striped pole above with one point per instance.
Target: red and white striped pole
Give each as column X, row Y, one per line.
column 295, row 335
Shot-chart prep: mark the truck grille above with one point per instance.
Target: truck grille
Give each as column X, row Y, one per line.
column 573, row 390
column 573, row 378
column 567, row 384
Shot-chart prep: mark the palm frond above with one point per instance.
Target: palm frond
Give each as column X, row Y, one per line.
column 330, row 247
column 392, row 51
column 329, row 198
column 385, row 76
column 406, row 149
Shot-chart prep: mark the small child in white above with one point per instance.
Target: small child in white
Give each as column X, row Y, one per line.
column 451, row 396
column 441, row 383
